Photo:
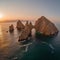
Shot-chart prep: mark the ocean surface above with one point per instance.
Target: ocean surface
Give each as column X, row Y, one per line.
column 35, row 49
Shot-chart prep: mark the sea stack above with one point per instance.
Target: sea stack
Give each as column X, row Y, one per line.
column 45, row 27
column 11, row 28
column 19, row 26
column 25, row 33
column 30, row 25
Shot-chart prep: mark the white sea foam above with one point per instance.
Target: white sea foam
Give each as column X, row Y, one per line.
column 50, row 45
column 44, row 42
column 25, row 45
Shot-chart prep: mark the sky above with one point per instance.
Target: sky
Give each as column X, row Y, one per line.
column 30, row 9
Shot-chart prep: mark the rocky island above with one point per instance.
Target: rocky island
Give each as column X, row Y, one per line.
column 45, row 27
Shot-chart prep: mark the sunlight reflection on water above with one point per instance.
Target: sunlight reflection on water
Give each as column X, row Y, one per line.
column 9, row 45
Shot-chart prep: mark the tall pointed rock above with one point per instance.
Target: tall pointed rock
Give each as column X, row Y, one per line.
column 30, row 25
column 19, row 25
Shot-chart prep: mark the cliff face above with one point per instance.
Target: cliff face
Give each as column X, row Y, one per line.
column 19, row 25
column 45, row 27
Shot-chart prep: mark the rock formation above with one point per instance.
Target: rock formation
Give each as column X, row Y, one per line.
column 26, row 23
column 11, row 28
column 30, row 25
column 25, row 33
column 45, row 27
column 19, row 26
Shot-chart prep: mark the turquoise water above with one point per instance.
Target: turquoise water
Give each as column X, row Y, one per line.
column 35, row 49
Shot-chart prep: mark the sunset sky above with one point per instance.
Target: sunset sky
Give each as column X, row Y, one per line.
column 29, row 9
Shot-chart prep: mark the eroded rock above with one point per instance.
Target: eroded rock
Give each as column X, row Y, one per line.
column 19, row 26
column 45, row 27
column 11, row 28
column 25, row 33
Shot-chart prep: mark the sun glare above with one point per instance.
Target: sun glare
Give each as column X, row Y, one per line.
column 1, row 15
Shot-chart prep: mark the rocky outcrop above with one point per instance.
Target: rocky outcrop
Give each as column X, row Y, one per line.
column 11, row 28
column 25, row 33
column 19, row 26
column 45, row 27
column 30, row 25
column 26, row 23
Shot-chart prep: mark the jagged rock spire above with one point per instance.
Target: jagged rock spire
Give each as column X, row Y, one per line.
column 25, row 33
column 19, row 25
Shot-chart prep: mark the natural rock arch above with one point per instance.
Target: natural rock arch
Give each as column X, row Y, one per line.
column 43, row 26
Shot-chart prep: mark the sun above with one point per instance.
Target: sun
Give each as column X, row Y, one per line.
column 1, row 15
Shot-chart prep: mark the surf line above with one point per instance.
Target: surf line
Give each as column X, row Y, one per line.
column 50, row 45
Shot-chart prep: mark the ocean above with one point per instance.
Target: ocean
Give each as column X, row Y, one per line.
column 36, row 49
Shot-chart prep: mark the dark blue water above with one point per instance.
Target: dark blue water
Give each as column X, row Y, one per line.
column 35, row 49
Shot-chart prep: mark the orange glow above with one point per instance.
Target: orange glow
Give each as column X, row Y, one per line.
column 1, row 16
